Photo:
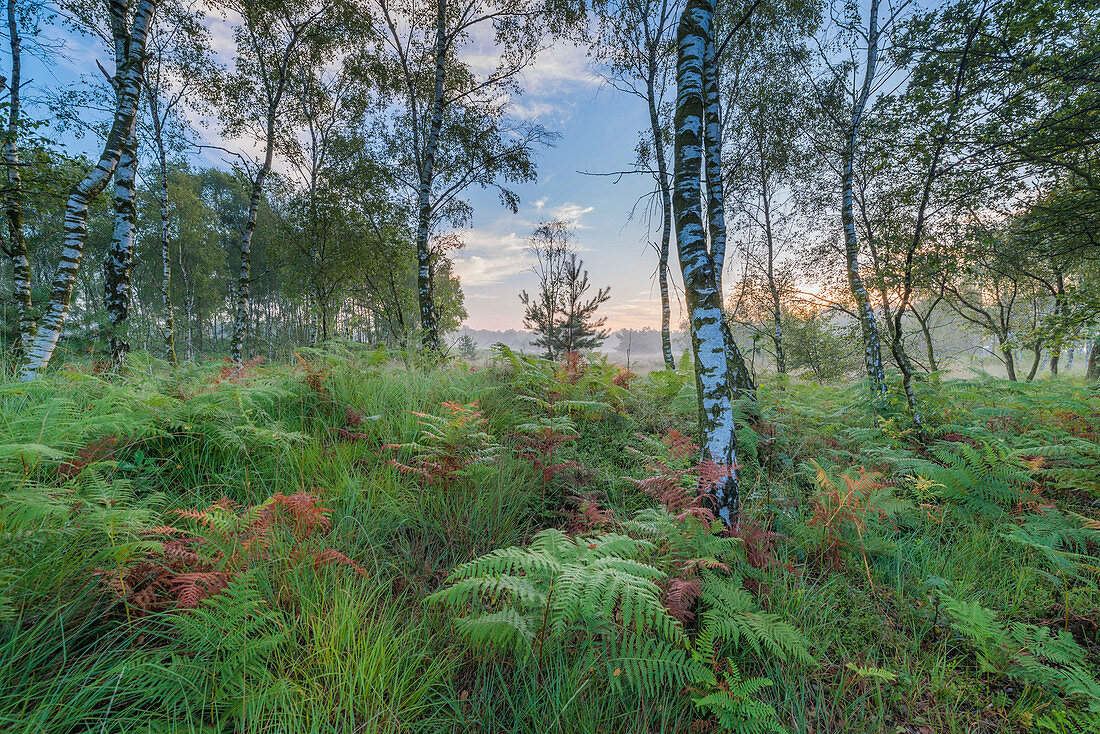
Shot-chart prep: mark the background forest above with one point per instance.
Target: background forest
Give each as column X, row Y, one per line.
column 261, row 472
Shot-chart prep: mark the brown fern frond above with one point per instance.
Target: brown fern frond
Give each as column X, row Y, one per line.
column 328, row 556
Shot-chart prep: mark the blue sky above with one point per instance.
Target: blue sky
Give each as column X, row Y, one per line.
column 598, row 128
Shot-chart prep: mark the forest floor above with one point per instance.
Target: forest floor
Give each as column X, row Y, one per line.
column 288, row 548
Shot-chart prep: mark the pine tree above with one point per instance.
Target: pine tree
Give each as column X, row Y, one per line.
column 580, row 329
column 467, row 347
column 560, row 314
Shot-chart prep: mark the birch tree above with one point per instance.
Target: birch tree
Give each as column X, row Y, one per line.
column 637, row 47
column 698, row 263
column 119, row 261
column 269, row 38
column 454, row 131
column 861, row 98
column 129, row 28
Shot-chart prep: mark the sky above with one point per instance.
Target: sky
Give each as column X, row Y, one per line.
column 597, row 128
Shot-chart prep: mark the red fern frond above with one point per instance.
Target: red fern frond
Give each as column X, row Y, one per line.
column 329, row 556
column 680, row 594
column 102, row 449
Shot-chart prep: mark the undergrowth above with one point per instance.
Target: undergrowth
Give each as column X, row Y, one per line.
column 356, row 541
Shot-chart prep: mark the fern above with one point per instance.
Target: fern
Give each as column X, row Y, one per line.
column 449, row 445
column 732, row 701
column 230, row 640
column 1050, row 660
column 608, row 596
column 985, row 478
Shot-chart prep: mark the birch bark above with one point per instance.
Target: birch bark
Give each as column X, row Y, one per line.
column 704, row 300
column 17, row 243
column 131, row 39
column 872, row 342
column 120, row 254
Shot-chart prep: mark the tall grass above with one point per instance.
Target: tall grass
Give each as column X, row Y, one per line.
column 90, row 463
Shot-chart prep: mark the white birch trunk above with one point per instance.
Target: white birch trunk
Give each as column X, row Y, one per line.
column 704, row 300
column 128, row 84
column 872, row 343
column 120, row 254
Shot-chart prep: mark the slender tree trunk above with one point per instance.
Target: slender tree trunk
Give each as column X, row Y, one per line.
column 425, row 287
column 666, row 222
column 17, row 243
column 1010, row 361
column 1037, row 350
column 742, row 382
column 704, row 299
column 244, row 273
column 929, row 344
column 1092, row 368
column 120, row 254
column 777, row 311
column 872, row 343
column 193, row 321
column 128, row 78
column 165, row 238
column 1059, row 308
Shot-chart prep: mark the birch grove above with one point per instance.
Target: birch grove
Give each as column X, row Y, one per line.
column 129, row 27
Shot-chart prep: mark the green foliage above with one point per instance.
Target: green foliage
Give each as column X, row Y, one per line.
column 601, row 596
column 449, row 445
column 226, row 647
column 1026, row 652
column 984, row 476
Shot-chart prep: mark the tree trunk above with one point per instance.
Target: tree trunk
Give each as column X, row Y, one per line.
column 1010, row 361
column 424, row 276
column 1037, row 350
column 704, row 299
column 128, row 78
column 929, row 344
column 777, row 312
column 666, row 223
column 17, row 243
column 872, row 343
column 742, row 382
column 165, row 239
column 120, row 254
column 193, row 321
column 1092, row 368
column 1059, row 308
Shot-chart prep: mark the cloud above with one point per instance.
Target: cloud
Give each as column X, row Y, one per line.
column 562, row 66
column 571, row 213
column 548, row 87
column 490, row 258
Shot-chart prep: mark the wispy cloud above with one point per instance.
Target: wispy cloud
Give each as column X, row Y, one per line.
column 490, row 258
column 572, row 213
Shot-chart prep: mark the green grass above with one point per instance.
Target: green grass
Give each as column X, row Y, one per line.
column 332, row 650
